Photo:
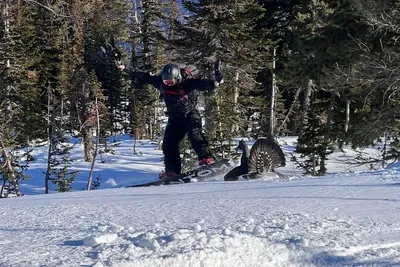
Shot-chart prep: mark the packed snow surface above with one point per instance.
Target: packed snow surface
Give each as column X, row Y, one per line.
column 342, row 219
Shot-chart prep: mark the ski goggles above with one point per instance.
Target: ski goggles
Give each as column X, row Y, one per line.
column 170, row 82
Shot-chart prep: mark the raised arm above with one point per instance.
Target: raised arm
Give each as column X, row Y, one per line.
column 143, row 77
column 205, row 84
column 199, row 84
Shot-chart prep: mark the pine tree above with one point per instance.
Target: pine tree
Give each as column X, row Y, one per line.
column 148, row 43
column 93, row 25
column 322, row 42
column 105, row 29
column 31, row 68
column 19, row 96
column 314, row 145
column 277, row 20
column 374, row 86
column 59, row 162
column 224, row 30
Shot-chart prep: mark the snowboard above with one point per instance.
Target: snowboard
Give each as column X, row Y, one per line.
column 203, row 172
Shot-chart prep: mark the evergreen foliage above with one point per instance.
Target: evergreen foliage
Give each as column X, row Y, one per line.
column 12, row 171
column 226, row 30
column 334, row 64
column 59, row 172
column 315, row 145
column 147, row 54
column 96, row 184
column 189, row 157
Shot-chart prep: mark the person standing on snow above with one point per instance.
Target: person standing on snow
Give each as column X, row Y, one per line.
column 180, row 96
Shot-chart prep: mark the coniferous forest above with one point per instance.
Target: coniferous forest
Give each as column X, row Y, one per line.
column 327, row 72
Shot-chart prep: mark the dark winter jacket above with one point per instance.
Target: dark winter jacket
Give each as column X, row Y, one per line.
column 180, row 99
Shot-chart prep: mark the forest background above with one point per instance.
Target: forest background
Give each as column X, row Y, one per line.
column 324, row 71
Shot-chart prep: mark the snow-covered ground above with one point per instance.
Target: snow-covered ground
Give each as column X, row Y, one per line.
column 347, row 218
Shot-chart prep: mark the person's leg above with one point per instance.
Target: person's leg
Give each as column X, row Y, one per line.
column 196, row 136
column 174, row 133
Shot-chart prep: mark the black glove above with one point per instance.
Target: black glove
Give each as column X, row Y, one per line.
column 217, row 71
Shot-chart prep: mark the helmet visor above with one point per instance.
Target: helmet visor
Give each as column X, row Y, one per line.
column 170, row 82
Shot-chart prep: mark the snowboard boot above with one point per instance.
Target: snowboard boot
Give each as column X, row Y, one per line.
column 165, row 175
column 206, row 161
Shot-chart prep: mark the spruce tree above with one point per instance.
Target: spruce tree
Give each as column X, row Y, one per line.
column 59, row 162
column 147, row 55
column 277, row 20
column 106, row 29
column 323, row 34
column 373, row 79
column 18, row 88
column 227, row 31
column 315, row 144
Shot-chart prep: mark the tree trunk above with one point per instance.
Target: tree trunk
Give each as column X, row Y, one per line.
column 296, row 97
column 347, row 121
column 87, row 114
column 2, row 189
column 314, row 164
column 7, row 27
column 273, row 93
column 88, row 144
column 331, row 109
column 51, row 140
column 305, row 106
column 235, row 126
column 89, row 183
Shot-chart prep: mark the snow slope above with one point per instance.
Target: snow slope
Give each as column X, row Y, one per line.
column 343, row 219
column 335, row 221
column 123, row 167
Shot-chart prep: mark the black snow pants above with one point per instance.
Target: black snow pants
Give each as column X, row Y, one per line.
column 175, row 131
